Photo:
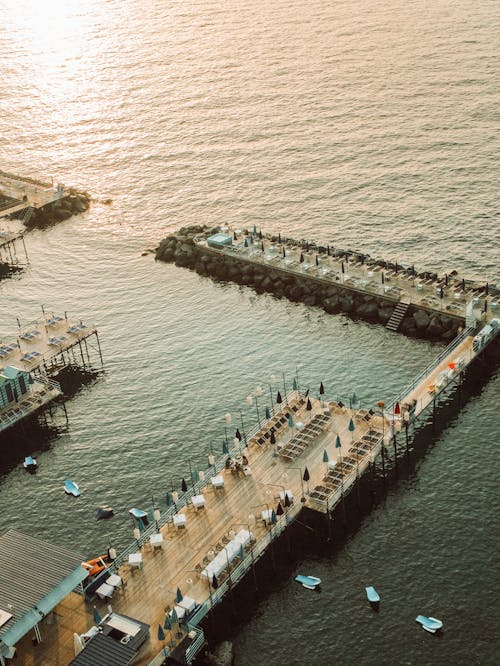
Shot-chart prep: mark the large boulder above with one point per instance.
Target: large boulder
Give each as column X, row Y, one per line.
column 421, row 319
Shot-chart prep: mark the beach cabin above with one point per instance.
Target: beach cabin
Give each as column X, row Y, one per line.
column 14, row 383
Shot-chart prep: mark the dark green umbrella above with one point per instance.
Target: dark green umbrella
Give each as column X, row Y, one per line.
column 215, row 582
column 294, row 385
column 166, row 624
column 279, row 399
column 321, row 389
column 225, row 448
column 268, row 413
column 272, row 439
column 161, row 633
column 325, row 456
column 178, row 595
column 287, row 500
column 274, row 519
column 184, row 485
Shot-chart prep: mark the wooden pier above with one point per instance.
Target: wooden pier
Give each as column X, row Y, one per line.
column 50, row 343
column 309, row 453
column 19, row 193
column 9, row 256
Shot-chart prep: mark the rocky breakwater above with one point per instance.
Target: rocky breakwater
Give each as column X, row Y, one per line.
column 72, row 203
column 185, row 249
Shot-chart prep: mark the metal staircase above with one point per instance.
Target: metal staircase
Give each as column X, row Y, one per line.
column 397, row 315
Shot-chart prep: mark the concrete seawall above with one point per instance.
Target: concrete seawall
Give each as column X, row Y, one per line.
column 185, row 248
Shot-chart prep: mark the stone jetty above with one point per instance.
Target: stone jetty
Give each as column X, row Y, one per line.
column 431, row 319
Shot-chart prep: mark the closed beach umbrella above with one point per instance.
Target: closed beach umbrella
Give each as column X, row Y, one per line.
column 487, row 289
column 279, row 238
column 245, row 243
column 294, row 384
column 383, row 277
column 317, row 260
column 170, row 499
column 161, row 633
column 308, row 405
column 463, row 284
column 351, row 425
column 178, row 595
column 237, row 434
column 446, row 279
column 184, row 485
column 284, row 253
column 441, row 292
column 273, row 437
column 306, row 476
column 97, row 616
column 225, row 448
column 242, row 552
column 287, row 500
column 235, row 237
column 290, row 420
column 301, row 257
column 397, row 408
column 279, row 510
column 279, row 399
column 338, row 443
column 342, row 268
column 325, row 456
column 321, row 389
column 355, row 404
column 268, row 413
column 254, row 229
column 166, row 623
column 175, row 617
column 215, row 582
column 396, row 268
column 274, row 519
column 262, row 246
column 328, row 250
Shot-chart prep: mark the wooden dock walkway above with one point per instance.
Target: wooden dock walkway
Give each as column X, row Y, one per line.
column 333, row 442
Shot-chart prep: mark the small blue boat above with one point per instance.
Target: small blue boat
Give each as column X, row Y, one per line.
column 71, row 488
column 310, row 582
column 30, row 464
column 139, row 514
column 372, row 595
column 430, row 624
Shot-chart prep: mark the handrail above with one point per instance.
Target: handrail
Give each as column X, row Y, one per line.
column 196, row 488
column 432, row 366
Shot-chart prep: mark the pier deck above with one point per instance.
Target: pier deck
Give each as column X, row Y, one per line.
column 38, row 344
column 450, row 296
column 22, row 192
column 149, row 591
column 238, row 505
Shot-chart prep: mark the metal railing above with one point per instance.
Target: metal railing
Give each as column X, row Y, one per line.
column 430, row 368
column 184, row 499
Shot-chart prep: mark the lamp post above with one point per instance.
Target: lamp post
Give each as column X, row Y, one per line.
column 228, row 419
column 272, row 380
column 250, row 398
column 243, row 427
column 299, row 469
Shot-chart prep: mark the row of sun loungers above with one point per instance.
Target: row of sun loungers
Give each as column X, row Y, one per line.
column 333, row 479
column 277, row 423
column 303, row 438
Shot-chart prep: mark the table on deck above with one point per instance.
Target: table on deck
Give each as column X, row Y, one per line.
column 227, row 554
column 179, row 520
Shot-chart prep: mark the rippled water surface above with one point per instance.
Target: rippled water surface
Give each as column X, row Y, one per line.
column 370, row 125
